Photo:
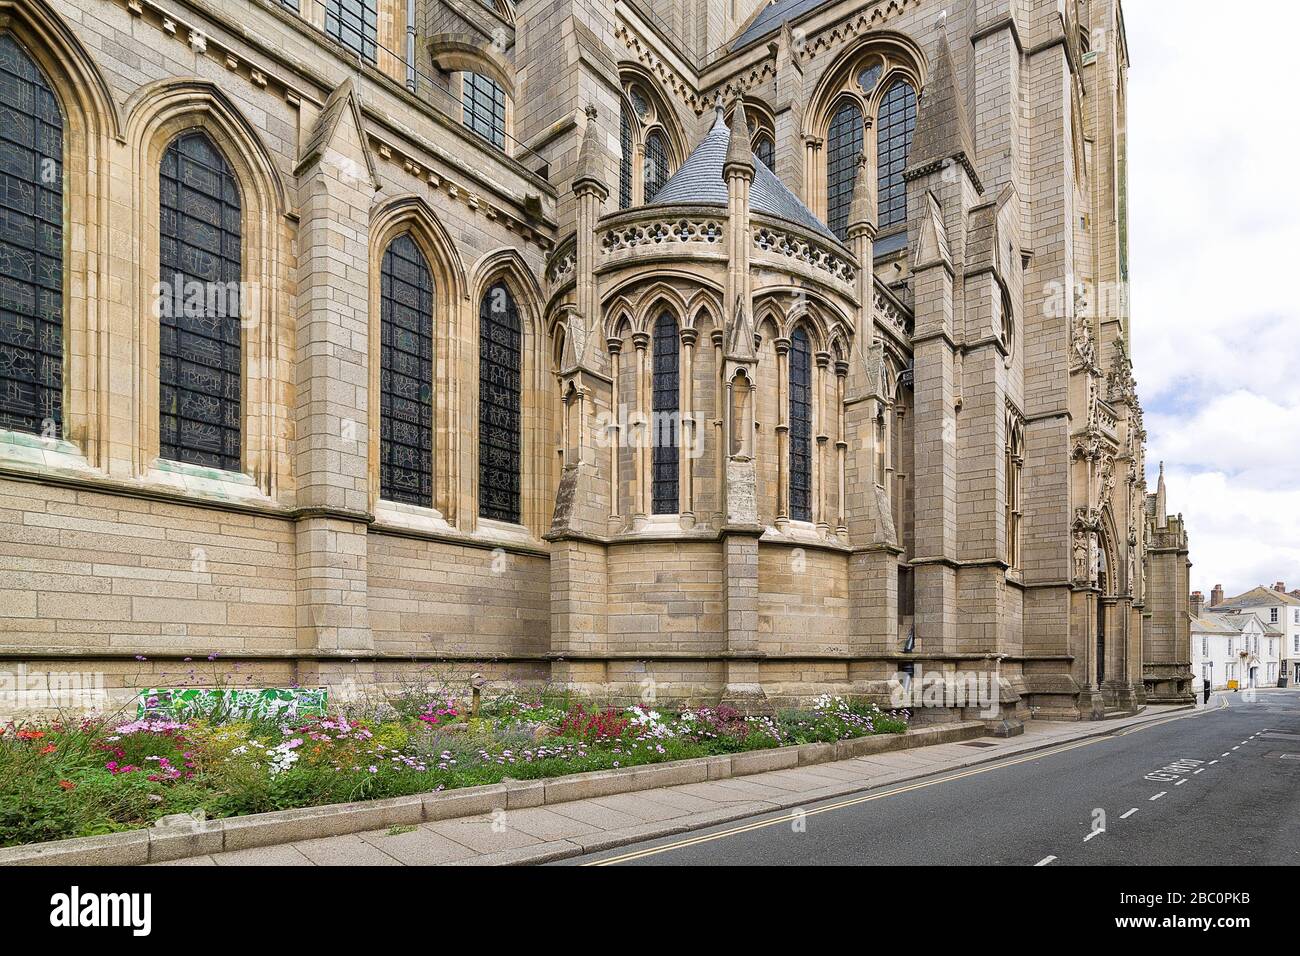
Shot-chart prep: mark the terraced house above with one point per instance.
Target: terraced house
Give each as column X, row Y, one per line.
column 709, row 348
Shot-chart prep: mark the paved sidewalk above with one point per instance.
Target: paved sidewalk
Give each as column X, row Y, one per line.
column 556, row 831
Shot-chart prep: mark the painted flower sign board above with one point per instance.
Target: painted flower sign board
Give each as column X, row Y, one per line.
column 245, row 704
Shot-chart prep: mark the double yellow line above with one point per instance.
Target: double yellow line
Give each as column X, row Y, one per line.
column 921, row 785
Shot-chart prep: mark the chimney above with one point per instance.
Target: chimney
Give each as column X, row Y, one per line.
column 1280, row 587
column 1216, row 596
column 1198, row 602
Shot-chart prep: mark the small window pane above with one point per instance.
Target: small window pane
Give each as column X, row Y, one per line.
column 500, row 363
column 405, row 375
column 31, row 247
column 199, row 366
column 355, row 24
column 895, row 127
column 800, row 427
column 625, row 164
column 656, row 164
column 765, row 150
column 485, row 108
column 665, row 386
column 843, row 150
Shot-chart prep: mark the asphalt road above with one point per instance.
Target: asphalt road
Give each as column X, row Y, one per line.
column 1211, row 788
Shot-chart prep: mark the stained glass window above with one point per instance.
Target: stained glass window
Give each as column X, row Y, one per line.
column 666, row 425
column 405, row 375
column 800, row 427
column 843, row 149
column 199, row 368
column 765, row 150
column 894, row 130
column 500, row 360
column 485, row 108
column 625, row 162
column 656, row 164
column 355, row 24
column 31, row 247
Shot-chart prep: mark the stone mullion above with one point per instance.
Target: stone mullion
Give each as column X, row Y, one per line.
column 641, row 340
column 614, row 431
column 783, row 431
column 819, row 460
column 686, row 429
column 721, row 449
column 841, row 445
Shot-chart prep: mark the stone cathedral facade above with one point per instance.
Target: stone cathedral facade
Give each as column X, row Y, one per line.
column 735, row 350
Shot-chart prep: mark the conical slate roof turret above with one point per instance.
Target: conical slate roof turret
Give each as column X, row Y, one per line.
column 699, row 181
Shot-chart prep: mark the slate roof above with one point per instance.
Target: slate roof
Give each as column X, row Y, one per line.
column 698, row 181
column 770, row 20
column 1260, row 597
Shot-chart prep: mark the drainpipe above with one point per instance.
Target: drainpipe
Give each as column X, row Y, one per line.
column 410, row 45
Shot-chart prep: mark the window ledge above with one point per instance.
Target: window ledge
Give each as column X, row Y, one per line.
column 26, row 452
column 197, row 481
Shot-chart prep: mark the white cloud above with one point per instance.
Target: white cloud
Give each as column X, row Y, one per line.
column 1214, row 234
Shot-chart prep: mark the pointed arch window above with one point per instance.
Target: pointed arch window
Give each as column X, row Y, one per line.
column 31, row 247
column 800, row 426
column 500, row 360
column 355, row 24
column 665, row 389
column 405, row 374
column 896, row 122
column 843, row 147
column 200, row 262
column 765, row 150
column 656, row 164
column 1015, row 460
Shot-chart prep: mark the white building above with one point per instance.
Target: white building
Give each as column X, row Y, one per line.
column 1238, row 647
column 1276, row 609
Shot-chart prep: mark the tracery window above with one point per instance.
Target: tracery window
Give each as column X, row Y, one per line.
column 355, row 24
column 200, row 267
column 31, row 247
column 765, row 150
column 500, row 363
column 643, row 139
column 895, row 124
column 665, row 391
column 843, row 148
column 485, row 107
column 800, row 427
column 876, row 90
column 405, row 375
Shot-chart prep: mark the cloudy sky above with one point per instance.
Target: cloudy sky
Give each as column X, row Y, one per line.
column 1215, row 239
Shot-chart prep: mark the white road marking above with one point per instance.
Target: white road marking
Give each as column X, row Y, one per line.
column 1160, row 794
column 1125, row 816
column 1202, row 770
column 1181, row 782
column 1093, row 834
column 1238, row 747
column 1045, row 860
column 1228, row 754
column 1212, row 762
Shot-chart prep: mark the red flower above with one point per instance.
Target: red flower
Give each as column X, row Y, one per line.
column 30, row 735
column 67, row 785
column 49, row 749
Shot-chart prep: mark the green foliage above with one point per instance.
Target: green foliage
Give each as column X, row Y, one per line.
column 99, row 776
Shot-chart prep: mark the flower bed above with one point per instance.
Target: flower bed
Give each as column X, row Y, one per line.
column 101, row 775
